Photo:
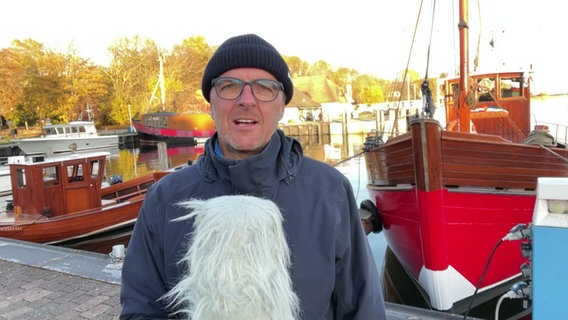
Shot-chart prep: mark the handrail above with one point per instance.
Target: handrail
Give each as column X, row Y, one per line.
column 558, row 131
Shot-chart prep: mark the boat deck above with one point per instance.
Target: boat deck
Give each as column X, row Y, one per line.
column 12, row 219
column 48, row 282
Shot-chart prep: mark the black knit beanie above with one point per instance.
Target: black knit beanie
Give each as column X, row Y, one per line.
column 247, row 51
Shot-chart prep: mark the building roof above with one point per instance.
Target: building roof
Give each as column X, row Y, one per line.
column 320, row 89
column 301, row 100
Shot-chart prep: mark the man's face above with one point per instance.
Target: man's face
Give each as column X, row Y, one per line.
column 245, row 125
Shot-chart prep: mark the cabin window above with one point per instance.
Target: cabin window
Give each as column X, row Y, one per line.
column 511, row 87
column 82, row 129
column 75, row 172
column 95, row 168
column 21, row 177
column 485, row 89
column 49, row 131
column 50, row 176
column 157, row 121
column 453, row 93
column 74, row 130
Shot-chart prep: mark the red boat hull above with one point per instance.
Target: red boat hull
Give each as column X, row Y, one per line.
column 74, row 226
column 446, row 199
column 444, row 239
column 174, row 129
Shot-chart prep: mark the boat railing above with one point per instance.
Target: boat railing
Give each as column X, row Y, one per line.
column 558, row 131
column 130, row 190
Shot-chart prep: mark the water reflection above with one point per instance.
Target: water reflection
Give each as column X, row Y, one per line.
column 130, row 163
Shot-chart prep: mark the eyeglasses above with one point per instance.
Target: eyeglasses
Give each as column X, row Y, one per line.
column 231, row 88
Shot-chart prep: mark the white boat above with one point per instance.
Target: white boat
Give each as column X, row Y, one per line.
column 5, row 182
column 75, row 136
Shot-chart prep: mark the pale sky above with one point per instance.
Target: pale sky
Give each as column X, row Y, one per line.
column 373, row 37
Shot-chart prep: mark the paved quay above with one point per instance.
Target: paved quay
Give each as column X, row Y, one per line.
column 46, row 282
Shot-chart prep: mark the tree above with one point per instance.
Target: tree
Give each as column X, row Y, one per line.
column 86, row 85
column 366, row 89
column 320, row 68
column 133, row 72
column 183, row 75
column 12, row 74
column 42, row 82
column 343, row 76
column 298, row 67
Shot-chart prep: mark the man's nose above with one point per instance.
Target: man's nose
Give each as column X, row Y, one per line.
column 247, row 94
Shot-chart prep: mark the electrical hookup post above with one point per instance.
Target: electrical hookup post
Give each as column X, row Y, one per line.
column 550, row 250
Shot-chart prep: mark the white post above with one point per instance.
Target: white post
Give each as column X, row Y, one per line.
column 163, row 155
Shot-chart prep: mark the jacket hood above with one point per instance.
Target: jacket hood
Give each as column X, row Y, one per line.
column 258, row 175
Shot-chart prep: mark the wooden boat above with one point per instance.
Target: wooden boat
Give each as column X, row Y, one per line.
column 62, row 201
column 446, row 197
column 75, row 136
column 175, row 129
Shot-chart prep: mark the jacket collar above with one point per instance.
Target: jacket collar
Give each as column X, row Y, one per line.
column 258, row 175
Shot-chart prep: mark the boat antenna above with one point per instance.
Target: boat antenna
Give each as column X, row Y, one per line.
column 429, row 106
column 90, row 113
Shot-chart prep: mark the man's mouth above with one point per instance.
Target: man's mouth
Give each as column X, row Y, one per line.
column 243, row 122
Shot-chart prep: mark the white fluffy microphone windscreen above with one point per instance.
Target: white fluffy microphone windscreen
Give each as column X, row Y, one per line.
column 238, row 262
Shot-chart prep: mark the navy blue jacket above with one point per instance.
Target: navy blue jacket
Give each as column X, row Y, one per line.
column 333, row 271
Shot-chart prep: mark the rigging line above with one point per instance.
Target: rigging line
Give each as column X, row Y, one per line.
column 349, row 158
column 508, row 121
column 476, row 60
column 395, row 123
column 430, row 41
column 454, row 37
column 554, row 153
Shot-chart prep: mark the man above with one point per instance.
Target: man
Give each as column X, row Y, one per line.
column 248, row 85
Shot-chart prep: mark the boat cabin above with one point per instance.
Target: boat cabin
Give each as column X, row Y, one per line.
column 71, row 129
column 59, row 185
column 496, row 103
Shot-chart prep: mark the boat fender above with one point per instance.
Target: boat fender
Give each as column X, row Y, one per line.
column 368, row 210
column 114, row 179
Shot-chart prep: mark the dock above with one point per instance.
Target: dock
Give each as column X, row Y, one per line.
column 47, row 282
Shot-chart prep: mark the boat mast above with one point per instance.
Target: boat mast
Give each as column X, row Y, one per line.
column 464, row 117
column 161, row 80
column 159, row 84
